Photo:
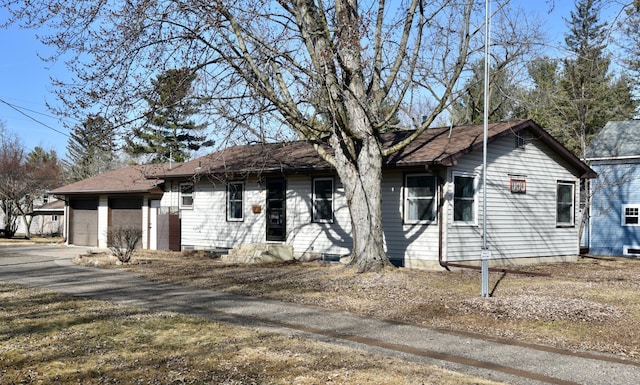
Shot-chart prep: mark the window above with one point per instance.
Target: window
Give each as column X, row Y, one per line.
column 235, row 192
column 323, row 200
column 45, row 199
column 464, row 199
column 54, row 218
column 565, row 204
column 419, row 198
column 186, row 195
column 631, row 215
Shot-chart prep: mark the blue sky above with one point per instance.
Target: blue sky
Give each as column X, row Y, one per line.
column 25, row 79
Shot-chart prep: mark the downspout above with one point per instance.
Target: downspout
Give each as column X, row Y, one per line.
column 440, row 222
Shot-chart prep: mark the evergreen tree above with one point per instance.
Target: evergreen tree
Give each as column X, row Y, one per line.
column 542, row 102
column 91, row 149
column 631, row 42
column 469, row 109
column 170, row 133
column 593, row 95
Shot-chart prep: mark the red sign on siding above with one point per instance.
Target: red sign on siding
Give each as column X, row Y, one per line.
column 518, row 186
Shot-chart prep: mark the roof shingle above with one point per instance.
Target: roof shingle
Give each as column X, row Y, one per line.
column 436, row 146
column 130, row 179
column 616, row 140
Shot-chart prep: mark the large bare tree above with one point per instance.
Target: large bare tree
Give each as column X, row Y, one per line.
column 336, row 73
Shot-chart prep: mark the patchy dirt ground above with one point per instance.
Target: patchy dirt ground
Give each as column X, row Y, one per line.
column 591, row 305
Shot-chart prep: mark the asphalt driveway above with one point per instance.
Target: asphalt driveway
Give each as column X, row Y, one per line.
column 50, row 267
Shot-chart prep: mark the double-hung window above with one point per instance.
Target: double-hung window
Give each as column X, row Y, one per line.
column 419, row 198
column 631, row 215
column 235, row 194
column 565, row 203
column 464, row 199
column 323, row 200
column 186, row 195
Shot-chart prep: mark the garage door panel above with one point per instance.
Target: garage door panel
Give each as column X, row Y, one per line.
column 83, row 227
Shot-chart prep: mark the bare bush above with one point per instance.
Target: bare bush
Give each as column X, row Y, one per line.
column 123, row 241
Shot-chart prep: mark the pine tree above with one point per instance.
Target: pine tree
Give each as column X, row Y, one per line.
column 593, row 95
column 630, row 41
column 169, row 133
column 91, row 149
column 469, row 109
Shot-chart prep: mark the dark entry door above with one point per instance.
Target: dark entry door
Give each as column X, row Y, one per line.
column 276, row 210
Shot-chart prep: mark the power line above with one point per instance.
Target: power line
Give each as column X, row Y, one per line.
column 21, row 111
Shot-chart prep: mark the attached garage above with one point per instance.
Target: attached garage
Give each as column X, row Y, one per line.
column 83, row 223
column 117, row 198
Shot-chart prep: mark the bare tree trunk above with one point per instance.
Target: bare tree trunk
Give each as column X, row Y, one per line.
column 362, row 182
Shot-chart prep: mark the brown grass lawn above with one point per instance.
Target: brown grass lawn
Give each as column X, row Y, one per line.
column 591, row 305
column 49, row 338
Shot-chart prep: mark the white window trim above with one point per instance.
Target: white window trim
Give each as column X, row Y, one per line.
column 572, row 223
column 228, row 199
column 474, row 176
column 406, row 201
column 623, row 215
column 182, row 194
column 313, row 200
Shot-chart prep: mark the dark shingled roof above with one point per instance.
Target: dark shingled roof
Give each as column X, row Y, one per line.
column 616, row 140
column 434, row 147
column 130, row 179
column 437, row 146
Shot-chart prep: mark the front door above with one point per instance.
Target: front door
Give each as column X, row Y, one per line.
column 276, row 210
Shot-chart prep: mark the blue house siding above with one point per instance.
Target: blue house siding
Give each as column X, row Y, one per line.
column 617, row 185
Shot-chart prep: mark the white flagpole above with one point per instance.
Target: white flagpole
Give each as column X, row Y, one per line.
column 485, row 253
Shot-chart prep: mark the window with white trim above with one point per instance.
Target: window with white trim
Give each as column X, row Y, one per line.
column 419, row 198
column 565, row 203
column 186, row 195
column 631, row 215
column 323, row 200
column 235, row 201
column 464, row 199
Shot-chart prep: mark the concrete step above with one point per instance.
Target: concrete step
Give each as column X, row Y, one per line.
column 259, row 253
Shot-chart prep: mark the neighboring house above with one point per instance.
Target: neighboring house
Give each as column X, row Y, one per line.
column 614, row 223
column 124, row 197
column 47, row 216
column 284, row 193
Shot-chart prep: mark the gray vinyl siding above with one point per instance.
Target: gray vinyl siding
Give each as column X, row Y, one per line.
column 318, row 238
column 518, row 225
column 405, row 242
column 206, row 226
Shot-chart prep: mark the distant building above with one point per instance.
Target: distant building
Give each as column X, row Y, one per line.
column 614, row 223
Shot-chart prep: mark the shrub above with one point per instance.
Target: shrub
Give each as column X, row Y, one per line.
column 123, row 241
